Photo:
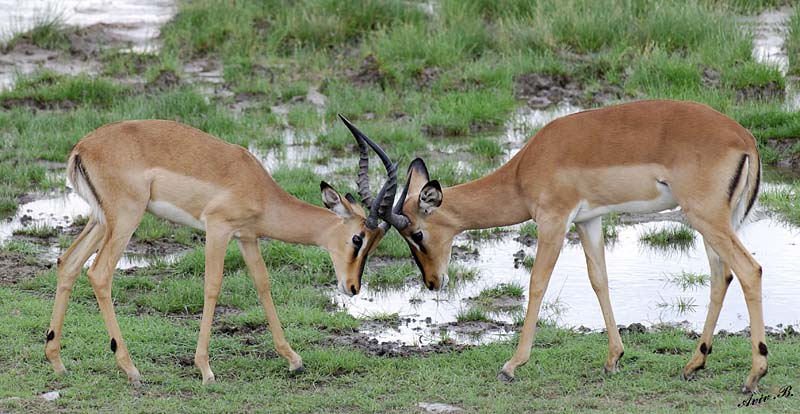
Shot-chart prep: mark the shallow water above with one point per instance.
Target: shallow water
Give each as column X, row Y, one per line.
column 60, row 210
column 134, row 21
column 770, row 29
column 637, row 282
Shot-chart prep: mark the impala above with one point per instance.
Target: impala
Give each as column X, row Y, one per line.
column 636, row 157
column 189, row 177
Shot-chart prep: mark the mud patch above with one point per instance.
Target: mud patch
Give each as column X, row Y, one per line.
column 392, row 349
column 542, row 91
column 787, row 158
column 766, row 92
column 165, row 79
column 17, row 267
column 369, row 72
column 497, row 304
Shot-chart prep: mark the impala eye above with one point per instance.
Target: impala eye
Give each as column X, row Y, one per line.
column 358, row 241
column 417, row 237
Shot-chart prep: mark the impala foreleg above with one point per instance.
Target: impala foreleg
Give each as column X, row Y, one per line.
column 258, row 271
column 216, row 245
column 723, row 240
column 721, row 278
column 551, row 237
column 69, row 267
column 591, row 235
column 101, row 274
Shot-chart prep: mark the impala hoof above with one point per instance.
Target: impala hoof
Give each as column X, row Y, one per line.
column 613, row 370
column 749, row 390
column 209, row 380
column 503, row 377
column 297, row 371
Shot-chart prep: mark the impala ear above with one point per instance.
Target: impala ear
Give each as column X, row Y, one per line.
column 430, row 197
column 417, row 175
column 334, row 202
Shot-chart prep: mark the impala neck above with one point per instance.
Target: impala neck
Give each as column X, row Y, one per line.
column 491, row 201
column 294, row 221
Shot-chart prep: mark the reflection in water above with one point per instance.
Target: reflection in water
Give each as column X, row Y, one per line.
column 636, row 281
column 770, row 30
column 60, row 211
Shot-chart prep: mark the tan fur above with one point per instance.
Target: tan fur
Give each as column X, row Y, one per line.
column 634, row 152
column 212, row 184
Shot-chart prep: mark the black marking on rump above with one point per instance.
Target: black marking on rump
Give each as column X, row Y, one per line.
column 754, row 195
column 58, row 261
column 113, row 345
column 729, row 279
column 703, row 349
column 50, row 335
column 82, row 171
column 737, row 177
column 760, row 271
column 762, row 348
column 621, row 354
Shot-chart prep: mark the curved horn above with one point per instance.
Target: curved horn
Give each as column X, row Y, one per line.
column 380, row 206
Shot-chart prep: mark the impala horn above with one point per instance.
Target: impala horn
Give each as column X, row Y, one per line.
column 380, row 206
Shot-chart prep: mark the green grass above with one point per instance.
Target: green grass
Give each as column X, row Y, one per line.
column 394, row 275
column 564, row 364
column 687, row 280
column 20, row 246
column 678, row 237
column 785, row 201
column 529, row 229
column 793, row 42
column 473, row 314
column 41, row 231
column 511, row 290
column 48, row 32
column 445, row 82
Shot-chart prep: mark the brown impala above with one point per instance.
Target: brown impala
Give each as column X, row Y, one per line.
column 636, row 157
column 189, row 177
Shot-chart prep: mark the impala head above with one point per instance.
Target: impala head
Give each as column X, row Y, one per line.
column 350, row 242
column 429, row 240
column 429, row 233
column 360, row 232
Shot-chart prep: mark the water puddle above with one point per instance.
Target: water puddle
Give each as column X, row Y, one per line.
column 135, row 23
column 59, row 211
column 770, row 30
column 640, row 281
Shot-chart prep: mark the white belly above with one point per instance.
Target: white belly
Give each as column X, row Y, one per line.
column 665, row 201
column 174, row 214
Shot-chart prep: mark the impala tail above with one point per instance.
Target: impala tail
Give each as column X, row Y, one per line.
column 744, row 188
column 79, row 178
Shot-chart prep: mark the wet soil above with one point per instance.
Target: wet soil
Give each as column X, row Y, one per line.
column 373, row 347
column 767, row 92
column 368, row 72
column 786, row 158
column 17, row 267
column 542, row 91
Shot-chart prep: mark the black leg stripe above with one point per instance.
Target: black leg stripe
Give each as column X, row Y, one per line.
column 762, row 348
column 51, row 334
column 113, row 345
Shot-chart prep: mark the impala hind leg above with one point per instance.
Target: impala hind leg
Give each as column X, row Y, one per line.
column 551, row 237
column 216, row 245
column 591, row 235
column 101, row 273
column 719, row 234
column 69, row 267
column 721, row 278
column 258, row 271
